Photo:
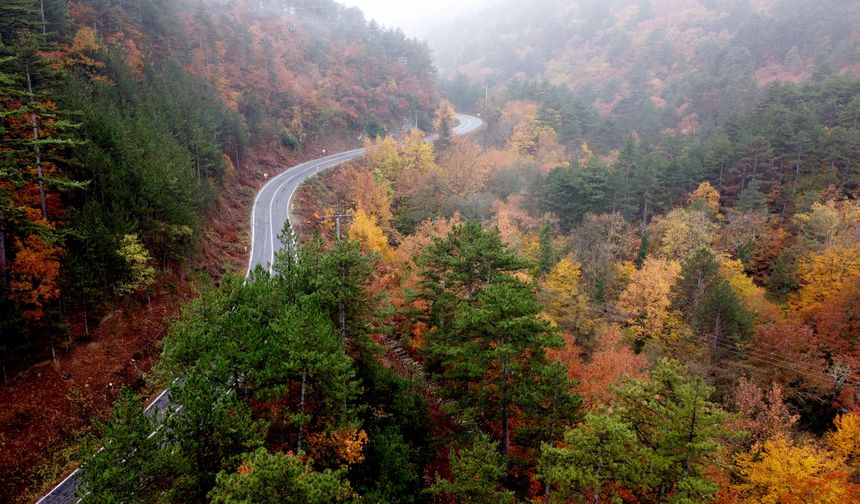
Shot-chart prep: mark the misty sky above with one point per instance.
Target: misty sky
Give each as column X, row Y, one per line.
column 415, row 17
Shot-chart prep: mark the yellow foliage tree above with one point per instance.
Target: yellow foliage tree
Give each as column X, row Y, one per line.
column 366, row 231
column 530, row 136
column 752, row 296
column 845, row 440
column 823, row 274
column 561, row 293
column 781, row 472
column 139, row 263
column 646, row 301
column 830, row 223
column 707, row 196
column 341, row 447
column 385, row 159
column 684, row 232
column 83, row 47
column 444, row 120
column 461, row 166
column 417, row 154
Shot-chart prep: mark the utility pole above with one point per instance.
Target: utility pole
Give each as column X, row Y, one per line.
column 337, row 220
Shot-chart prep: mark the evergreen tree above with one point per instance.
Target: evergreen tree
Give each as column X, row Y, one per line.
column 305, row 349
column 602, row 457
column 462, row 264
column 276, row 478
column 476, row 473
column 132, row 459
column 680, row 429
column 210, row 431
column 547, row 254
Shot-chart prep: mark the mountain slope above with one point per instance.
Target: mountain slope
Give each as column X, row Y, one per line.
column 697, row 61
column 155, row 122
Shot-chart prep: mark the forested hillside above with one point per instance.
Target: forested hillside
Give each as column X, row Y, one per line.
column 467, row 341
column 639, row 283
column 123, row 126
column 654, row 65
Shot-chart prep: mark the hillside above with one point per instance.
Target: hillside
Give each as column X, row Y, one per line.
column 133, row 137
column 680, row 64
column 638, row 281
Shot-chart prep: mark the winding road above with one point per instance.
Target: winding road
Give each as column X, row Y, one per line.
column 273, row 203
column 271, row 210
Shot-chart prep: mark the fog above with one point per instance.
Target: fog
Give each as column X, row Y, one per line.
column 416, row 17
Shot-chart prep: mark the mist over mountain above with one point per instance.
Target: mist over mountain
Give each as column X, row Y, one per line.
column 697, row 61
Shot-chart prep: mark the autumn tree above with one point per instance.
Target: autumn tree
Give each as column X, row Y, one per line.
column 780, row 470
column 825, row 273
column 646, row 302
column 139, row 262
column 35, row 276
column 787, row 354
column 443, row 123
column 365, row 230
column 684, row 232
column 705, row 197
column 567, row 306
column 763, row 414
column 845, row 440
column 612, row 360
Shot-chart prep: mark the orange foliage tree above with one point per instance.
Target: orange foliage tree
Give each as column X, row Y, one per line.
column 35, row 275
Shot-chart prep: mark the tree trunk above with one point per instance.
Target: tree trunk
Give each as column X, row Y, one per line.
column 506, row 427
column 692, row 429
column 645, row 212
column 197, row 159
column 44, row 24
column 3, row 265
column 717, row 328
column 720, row 183
column 302, row 409
column 36, row 146
column 506, row 432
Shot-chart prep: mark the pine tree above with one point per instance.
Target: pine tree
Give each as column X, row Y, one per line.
column 276, row 478
column 212, row 431
column 133, row 456
column 476, row 473
column 679, row 426
column 305, row 349
column 602, row 457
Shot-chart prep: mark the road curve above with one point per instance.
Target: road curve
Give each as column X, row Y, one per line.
column 272, row 204
column 271, row 209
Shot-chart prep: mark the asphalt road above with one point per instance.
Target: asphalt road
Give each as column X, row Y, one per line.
column 271, row 210
column 272, row 205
